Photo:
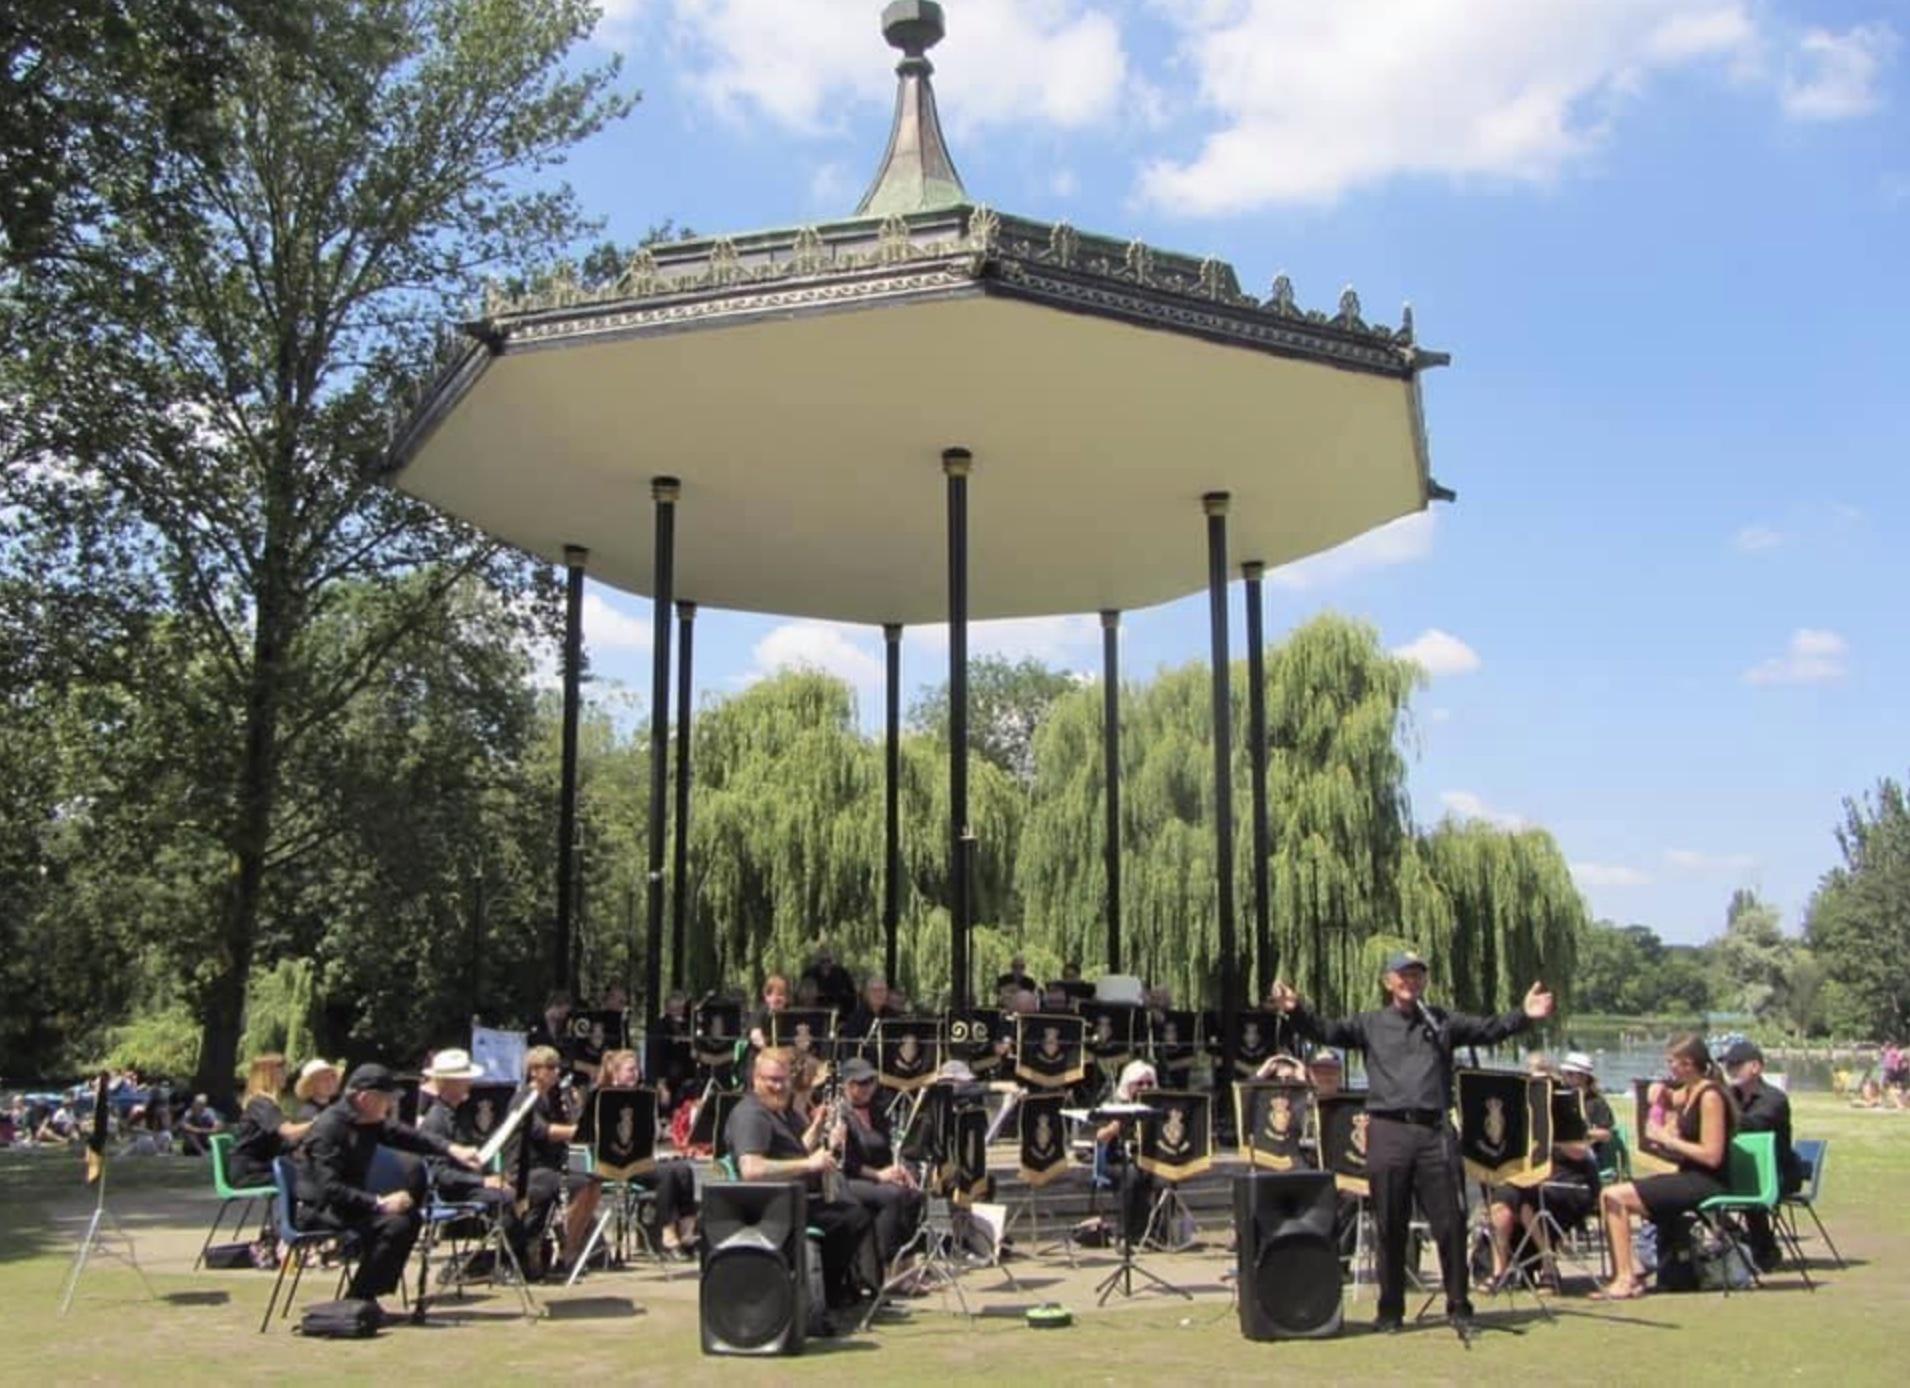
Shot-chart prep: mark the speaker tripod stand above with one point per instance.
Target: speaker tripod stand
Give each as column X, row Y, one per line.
column 98, row 1239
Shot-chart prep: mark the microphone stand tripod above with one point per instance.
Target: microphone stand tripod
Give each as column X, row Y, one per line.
column 1122, row 1278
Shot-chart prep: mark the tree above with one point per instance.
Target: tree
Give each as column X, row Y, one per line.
column 1858, row 921
column 201, row 399
column 1008, row 700
column 1753, row 959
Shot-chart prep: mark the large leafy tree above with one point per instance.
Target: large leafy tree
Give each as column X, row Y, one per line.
column 1858, row 922
column 200, row 398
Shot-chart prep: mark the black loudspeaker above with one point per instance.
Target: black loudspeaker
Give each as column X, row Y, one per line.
column 1289, row 1265
column 754, row 1297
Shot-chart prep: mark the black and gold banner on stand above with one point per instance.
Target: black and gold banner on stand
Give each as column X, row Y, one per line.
column 1174, row 1042
column 623, row 1132
column 965, row 1170
column 1343, row 1127
column 971, row 1040
column 1648, row 1158
column 1111, row 1034
column 1275, row 1121
column 1043, row 1135
column 717, row 1028
column 96, row 1130
column 587, row 1035
column 907, row 1052
column 1569, row 1123
column 1179, row 1141
column 1505, row 1126
column 1050, row 1051
column 808, row 1031
column 478, row 1116
column 1261, row 1034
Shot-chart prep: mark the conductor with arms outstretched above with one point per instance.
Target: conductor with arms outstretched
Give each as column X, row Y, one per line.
column 1411, row 1148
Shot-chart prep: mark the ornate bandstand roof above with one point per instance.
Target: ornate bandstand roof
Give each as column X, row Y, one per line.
column 803, row 382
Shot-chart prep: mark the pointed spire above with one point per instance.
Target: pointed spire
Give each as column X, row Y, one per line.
column 917, row 174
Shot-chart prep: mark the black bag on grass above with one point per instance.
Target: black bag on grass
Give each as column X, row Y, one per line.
column 226, row 1256
column 352, row 1319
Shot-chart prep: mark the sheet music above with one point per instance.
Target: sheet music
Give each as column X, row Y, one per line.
column 502, row 1133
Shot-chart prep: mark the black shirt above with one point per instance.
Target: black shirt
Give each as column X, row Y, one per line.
column 868, row 1150
column 862, row 1021
column 335, row 1158
column 1407, row 1065
column 754, row 1130
column 453, row 1182
column 255, row 1142
column 1769, row 1111
column 547, row 1152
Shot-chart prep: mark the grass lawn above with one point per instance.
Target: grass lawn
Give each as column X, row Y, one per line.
column 634, row 1326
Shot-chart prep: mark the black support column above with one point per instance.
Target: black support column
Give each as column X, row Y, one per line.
column 955, row 466
column 680, row 868
column 563, row 952
column 664, row 490
column 1265, row 964
column 1111, row 776
column 1215, row 504
column 892, row 796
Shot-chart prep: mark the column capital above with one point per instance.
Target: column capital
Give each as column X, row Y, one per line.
column 665, row 488
column 576, row 556
column 1253, row 571
column 1110, row 619
column 1215, row 503
column 892, row 632
column 957, row 462
column 685, row 610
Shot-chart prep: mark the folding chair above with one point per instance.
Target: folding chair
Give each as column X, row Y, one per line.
column 1813, row 1152
column 294, row 1242
column 221, row 1144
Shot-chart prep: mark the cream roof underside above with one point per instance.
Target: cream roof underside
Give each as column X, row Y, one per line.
column 809, row 452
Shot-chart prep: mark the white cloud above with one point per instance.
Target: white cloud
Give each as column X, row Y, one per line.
column 1402, row 541
column 1467, row 805
column 834, row 648
column 608, row 628
column 1438, row 715
column 1834, row 76
column 1609, row 875
column 1755, row 539
column 1690, row 860
column 800, row 62
column 1063, row 182
column 1439, row 653
column 1059, row 641
column 1812, row 657
column 832, row 188
column 1316, row 99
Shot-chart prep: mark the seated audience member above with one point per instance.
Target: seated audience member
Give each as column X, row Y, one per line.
column 876, row 1175
column 263, row 1132
column 197, row 1125
column 673, row 1181
column 59, row 1127
column 316, row 1088
column 1763, row 1108
column 1570, row 1194
column 334, row 1163
column 770, row 1145
column 1692, row 1117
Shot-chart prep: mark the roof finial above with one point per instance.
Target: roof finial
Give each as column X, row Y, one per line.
column 917, row 174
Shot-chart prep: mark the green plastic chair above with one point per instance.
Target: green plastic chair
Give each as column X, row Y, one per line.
column 1751, row 1176
column 221, row 1144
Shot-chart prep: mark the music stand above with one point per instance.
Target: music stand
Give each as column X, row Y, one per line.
column 1130, row 1117
column 717, row 1025
column 1273, row 1121
column 622, row 1132
column 907, row 1052
column 95, row 1240
column 1049, row 1050
column 1042, row 1157
column 495, row 1238
column 1175, row 1146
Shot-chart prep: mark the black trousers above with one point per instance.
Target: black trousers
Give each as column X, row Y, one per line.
column 844, row 1224
column 384, row 1246
column 894, row 1210
column 1404, row 1160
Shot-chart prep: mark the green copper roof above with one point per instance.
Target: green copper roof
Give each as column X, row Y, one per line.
column 917, row 173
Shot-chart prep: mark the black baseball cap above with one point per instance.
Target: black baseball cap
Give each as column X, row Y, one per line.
column 1742, row 1053
column 371, row 1078
column 1405, row 959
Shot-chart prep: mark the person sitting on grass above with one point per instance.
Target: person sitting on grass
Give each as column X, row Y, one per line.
column 197, row 1125
column 1691, row 1121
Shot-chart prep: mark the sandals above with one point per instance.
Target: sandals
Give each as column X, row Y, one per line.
column 1607, row 1294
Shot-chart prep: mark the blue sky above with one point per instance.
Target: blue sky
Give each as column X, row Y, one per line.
column 1665, row 242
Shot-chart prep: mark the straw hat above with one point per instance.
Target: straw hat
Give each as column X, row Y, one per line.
column 453, row 1064
column 310, row 1071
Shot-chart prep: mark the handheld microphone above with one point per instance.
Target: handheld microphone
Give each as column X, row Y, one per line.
column 1427, row 1020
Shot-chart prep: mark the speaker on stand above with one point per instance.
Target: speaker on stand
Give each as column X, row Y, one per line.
column 754, row 1293
column 1289, row 1264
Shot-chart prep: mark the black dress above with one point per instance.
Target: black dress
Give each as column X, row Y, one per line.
column 1680, row 1192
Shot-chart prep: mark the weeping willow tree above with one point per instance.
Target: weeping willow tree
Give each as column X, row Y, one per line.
column 1350, row 880
column 1515, row 912
column 786, row 837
